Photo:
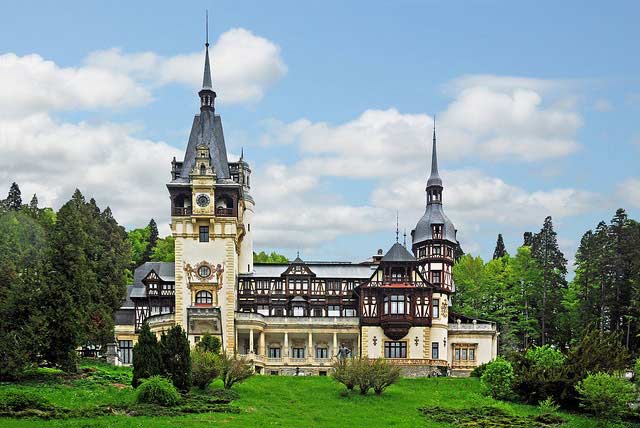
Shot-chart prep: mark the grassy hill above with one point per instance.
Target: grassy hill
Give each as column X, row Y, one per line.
column 271, row 401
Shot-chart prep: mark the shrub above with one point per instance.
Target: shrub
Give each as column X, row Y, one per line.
column 538, row 374
column 176, row 357
column 479, row 370
column 203, row 368
column 548, row 406
column 232, row 370
column 596, row 352
column 363, row 374
column 606, row 396
column 343, row 372
column 497, row 379
column 636, row 371
column 15, row 401
column 146, row 356
column 209, row 343
column 384, row 375
column 157, row 390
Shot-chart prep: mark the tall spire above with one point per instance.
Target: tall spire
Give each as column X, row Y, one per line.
column 207, row 94
column 397, row 225
column 434, row 183
column 206, row 80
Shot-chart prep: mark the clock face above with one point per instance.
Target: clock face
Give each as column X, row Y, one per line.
column 202, row 200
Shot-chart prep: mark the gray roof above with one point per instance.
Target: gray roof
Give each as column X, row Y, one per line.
column 124, row 317
column 322, row 270
column 434, row 178
column 434, row 215
column 207, row 130
column 206, row 79
column 397, row 253
column 165, row 270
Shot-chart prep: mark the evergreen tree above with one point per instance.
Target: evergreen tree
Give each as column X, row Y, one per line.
column 14, row 199
column 527, row 239
column 176, row 359
column 546, row 251
column 24, row 270
column 457, row 252
column 147, row 360
column 500, row 250
column 164, row 250
column 151, row 242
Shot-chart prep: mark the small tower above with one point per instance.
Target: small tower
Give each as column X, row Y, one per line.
column 207, row 94
column 434, row 238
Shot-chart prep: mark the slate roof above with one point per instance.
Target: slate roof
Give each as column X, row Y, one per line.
column 206, row 129
column 322, row 270
column 434, row 214
column 165, row 270
column 397, row 253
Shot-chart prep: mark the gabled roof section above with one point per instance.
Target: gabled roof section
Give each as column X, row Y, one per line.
column 207, row 130
column 398, row 253
column 298, row 267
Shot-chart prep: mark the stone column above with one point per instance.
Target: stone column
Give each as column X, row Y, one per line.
column 285, row 348
column 251, row 341
column 310, row 355
column 335, row 343
column 261, row 345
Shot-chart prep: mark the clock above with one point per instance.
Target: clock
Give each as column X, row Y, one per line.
column 202, row 200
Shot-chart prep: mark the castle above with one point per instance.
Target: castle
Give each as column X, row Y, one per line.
column 295, row 318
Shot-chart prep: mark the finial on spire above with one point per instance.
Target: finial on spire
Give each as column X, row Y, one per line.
column 397, row 231
column 241, row 153
column 206, row 43
column 298, row 254
column 434, row 178
column 405, row 237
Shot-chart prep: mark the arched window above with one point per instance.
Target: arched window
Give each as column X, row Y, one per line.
column 203, row 169
column 204, row 298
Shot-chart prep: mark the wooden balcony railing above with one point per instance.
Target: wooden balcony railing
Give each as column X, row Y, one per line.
column 224, row 212
column 181, row 211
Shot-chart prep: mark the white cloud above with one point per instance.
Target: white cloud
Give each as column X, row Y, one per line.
column 243, row 66
column 52, row 159
column 31, row 84
column 291, row 212
column 629, row 191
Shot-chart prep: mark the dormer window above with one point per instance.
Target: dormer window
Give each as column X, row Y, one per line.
column 436, row 231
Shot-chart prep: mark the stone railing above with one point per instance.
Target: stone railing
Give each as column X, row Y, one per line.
column 471, row 327
column 299, row 321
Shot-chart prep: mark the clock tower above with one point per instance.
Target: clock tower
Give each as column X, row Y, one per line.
column 211, row 212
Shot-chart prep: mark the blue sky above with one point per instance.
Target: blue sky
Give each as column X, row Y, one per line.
column 333, row 104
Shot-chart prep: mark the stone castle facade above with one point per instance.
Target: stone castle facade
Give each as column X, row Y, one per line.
column 295, row 318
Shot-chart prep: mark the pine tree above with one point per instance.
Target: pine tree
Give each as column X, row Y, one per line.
column 527, row 239
column 500, row 250
column 457, row 252
column 14, row 199
column 176, row 359
column 153, row 241
column 546, row 251
column 147, row 360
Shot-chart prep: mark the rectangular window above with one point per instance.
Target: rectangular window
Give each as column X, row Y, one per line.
column 322, row 353
column 333, row 285
column 457, row 354
column 435, row 350
column 274, row 353
column 463, row 355
column 472, row 354
column 126, row 351
column 317, row 312
column 298, row 311
column 263, row 310
column 278, row 312
column 395, row 349
column 349, row 312
column 435, row 311
column 397, row 304
column 435, row 277
column 298, row 353
column 334, row 311
column 204, row 233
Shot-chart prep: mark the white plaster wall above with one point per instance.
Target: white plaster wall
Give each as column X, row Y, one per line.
column 246, row 246
column 487, row 346
column 438, row 334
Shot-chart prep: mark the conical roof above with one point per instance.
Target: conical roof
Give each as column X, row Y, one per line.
column 397, row 253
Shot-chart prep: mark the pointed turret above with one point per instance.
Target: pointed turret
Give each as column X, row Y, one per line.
column 434, row 183
column 207, row 94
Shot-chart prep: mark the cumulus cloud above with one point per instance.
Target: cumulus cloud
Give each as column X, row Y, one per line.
column 629, row 191
column 31, row 84
column 52, row 159
column 243, row 66
column 293, row 213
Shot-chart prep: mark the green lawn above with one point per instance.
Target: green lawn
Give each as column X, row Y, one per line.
column 279, row 402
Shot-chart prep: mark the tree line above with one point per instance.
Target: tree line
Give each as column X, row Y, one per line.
column 62, row 276
column 533, row 303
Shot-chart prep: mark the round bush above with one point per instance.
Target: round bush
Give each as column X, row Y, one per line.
column 157, row 390
column 606, row 396
column 497, row 379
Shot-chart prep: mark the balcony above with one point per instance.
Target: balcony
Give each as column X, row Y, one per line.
column 470, row 327
column 181, row 211
column 224, row 212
